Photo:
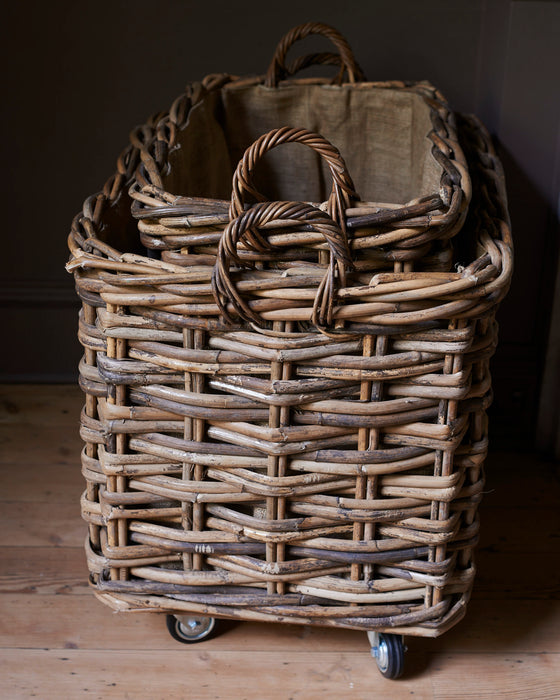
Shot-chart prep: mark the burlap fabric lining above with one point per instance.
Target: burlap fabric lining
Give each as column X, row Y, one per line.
column 381, row 134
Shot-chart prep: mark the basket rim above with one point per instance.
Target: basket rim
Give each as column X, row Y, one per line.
column 151, row 199
column 470, row 292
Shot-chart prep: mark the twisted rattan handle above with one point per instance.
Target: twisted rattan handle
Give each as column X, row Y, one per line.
column 245, row 224
column 246, row 227
column 278, row 69
column 342, row 189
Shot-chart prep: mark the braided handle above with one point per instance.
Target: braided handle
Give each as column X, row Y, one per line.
column 246, row 226
column 279, row 70
column 342, row 189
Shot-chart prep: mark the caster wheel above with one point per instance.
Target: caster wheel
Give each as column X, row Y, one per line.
column 388, row 652
column 190, row 629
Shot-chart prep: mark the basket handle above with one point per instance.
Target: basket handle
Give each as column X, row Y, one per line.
column 342, row 188
column 279, row 70
column 245, row 224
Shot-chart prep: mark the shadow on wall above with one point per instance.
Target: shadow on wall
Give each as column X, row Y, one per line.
column 518, row 366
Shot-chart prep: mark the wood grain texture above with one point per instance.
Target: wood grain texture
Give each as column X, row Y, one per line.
column 47, row 482
column 24, row 444
column 43, row 570
column 224, row 675
column 167, row 675
column 41, row 525
column 57, row 404
column 511, row 677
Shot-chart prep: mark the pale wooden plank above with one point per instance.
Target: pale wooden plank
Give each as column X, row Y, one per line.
column 43, row 570
column 55, row 621
column 51, row 404
column 39, row 444
column 41, row 524
column 200, row 674
column 501, row 677
column 49, row 482
column 47, row 478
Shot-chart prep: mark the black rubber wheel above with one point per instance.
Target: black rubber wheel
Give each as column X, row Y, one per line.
column 389, row 655
column 191, row 629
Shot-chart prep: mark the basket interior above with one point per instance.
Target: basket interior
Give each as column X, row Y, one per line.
column 381, row 134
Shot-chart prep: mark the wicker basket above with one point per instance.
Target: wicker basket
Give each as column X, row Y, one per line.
column 285, row 409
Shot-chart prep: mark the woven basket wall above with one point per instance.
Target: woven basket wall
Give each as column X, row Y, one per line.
column 285, row 412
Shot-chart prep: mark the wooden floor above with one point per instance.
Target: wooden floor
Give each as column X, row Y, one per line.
column 58, row 642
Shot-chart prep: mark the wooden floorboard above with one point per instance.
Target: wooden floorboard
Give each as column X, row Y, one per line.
column 204, row 674
column 28, row 444
column 271, row 674
column 58, row 641
column 43, row 570
column 41, row 524
column 50, row 482
column 511, row 676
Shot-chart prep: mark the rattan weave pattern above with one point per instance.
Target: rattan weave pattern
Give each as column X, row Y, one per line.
column 280, row 438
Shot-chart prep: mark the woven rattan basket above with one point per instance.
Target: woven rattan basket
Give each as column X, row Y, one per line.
column 285, row 397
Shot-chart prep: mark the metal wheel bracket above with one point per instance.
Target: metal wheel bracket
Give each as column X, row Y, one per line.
column 388, row 652
column 190, row 629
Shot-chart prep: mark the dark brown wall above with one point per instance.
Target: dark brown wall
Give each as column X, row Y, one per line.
column 80, row 75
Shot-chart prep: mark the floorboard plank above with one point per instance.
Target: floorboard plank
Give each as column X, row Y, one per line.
column 41, row 525
column 504, row 626
column 521, row 480
column 50, row 569
column 43, row 570
column 80, row 622
column 39, row 444
column 41, row 404
column 201, row 674
column 54, row 522
column 49, row 482
column 509, row 677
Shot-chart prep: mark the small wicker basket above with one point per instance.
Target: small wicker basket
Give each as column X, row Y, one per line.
column 285, row 399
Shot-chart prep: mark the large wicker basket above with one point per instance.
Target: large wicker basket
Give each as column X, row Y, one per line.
column 285, row 398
